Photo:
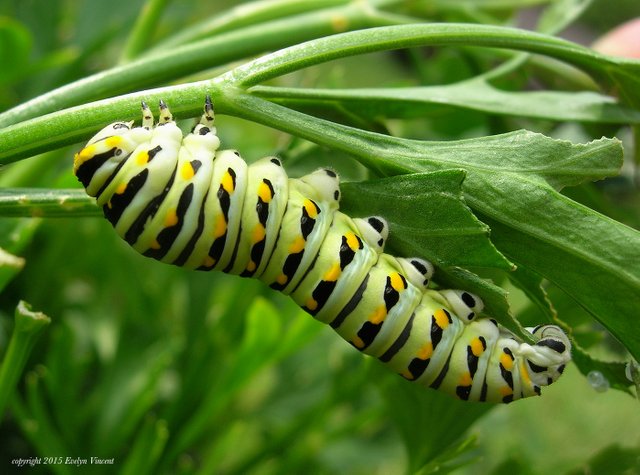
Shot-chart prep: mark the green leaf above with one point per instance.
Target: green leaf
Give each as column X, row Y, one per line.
column 475, row 94
column 147, row 448
column 429, row 422
column 260, row 347
column 129, row 394
column 589, row 256
column 612, row 372
column 592, row 258
column 612, row 460
column 427, row 217
column 508, row 181
column 561, row 13
column 37, row 422
column 15, row 48
column 499, row 159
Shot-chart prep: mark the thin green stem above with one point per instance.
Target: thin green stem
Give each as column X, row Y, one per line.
column 244, row 15
column 405, row 36
column 143, row 28
column 28, row 325
column 553, row 20
column 46, row 203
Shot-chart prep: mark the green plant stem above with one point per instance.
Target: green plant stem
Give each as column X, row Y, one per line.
column 244, row 15
column 46, row 203
column 406, row 36
column 71, row 125
column 143, row 29
column 28, row 325
column 474, row 94
column 635, row 130
column 173, row 63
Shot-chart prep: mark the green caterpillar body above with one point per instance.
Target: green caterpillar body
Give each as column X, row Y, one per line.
column 182, row 201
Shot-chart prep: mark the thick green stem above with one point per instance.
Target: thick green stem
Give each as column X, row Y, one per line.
column 179, row 61
column 71, row 125
column 28, row 326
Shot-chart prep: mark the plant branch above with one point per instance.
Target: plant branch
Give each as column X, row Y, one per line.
column 28, row 325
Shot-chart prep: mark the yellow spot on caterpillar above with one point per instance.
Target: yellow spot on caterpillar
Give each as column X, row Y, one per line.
column 465, row 379
column 312, row 211
column 297, row 245
column 264, row 192
column 425, row 352
column 113, row 141
column 397, row 282
column 83, row 155
column 524, row 374
column 76, row 162
column 251, row 266
column 220, row 227
column 227, row 183
column 476, row 347
column 407, row 374
column 142, row 158
column 441, row 318
column 122, row 187
column 155, row 244
column 505, row 391
column 209, row 261
column 332, row 274
column 282, row 279
column 88, row 151
column 378, row 315
column 506, row 361
column 352, row 241
column 187, row 171
column 311, row 304
column 259, row 233
column 171, row 219
column 357, row 342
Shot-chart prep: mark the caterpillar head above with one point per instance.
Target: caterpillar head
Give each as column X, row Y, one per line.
column 90, row 150
column 548, row 357
column 104, row 152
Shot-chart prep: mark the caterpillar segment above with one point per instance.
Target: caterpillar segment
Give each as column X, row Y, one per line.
column 183, row 201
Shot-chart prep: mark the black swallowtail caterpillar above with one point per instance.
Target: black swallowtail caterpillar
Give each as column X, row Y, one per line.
column 182, row 201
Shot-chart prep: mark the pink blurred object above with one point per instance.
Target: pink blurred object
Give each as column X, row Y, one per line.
column 623, row 40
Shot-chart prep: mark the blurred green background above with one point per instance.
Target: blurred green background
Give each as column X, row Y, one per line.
column 169, row 371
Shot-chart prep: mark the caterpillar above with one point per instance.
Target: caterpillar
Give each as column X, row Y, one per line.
column 181, row 200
